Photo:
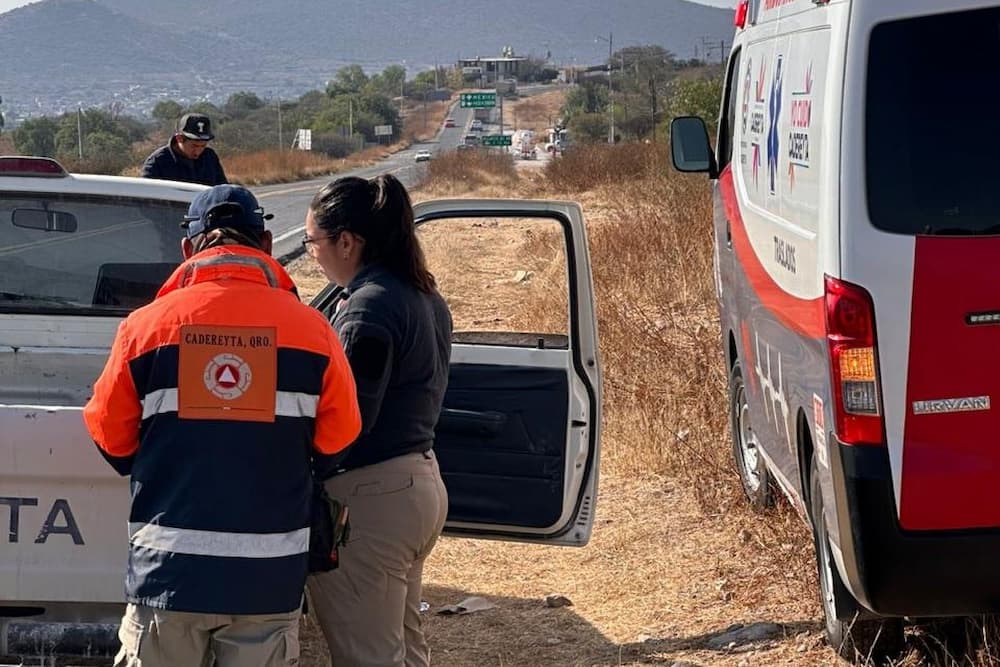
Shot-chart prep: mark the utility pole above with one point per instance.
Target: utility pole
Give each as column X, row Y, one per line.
column 611, row 88
column 79, row 131
column 281, row 143
column 402, row 92
column 350, row 117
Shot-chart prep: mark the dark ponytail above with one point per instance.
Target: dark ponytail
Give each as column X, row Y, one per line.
column 380, row 212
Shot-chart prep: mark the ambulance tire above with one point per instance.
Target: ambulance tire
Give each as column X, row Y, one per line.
column 862, row 641
column 754, row 475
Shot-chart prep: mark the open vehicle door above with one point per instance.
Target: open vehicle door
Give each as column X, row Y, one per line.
column 518, row 440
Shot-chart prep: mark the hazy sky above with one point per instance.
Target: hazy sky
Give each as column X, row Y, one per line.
column 6, row 5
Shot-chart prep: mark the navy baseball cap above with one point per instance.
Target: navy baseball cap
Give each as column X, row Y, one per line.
column 229, row 206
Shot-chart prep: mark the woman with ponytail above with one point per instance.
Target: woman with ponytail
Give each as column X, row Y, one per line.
column 396, row 330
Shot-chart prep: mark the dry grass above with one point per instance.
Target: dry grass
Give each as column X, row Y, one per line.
column 457, row 172
column 277, row 166
column 281, row 166
column 588, row 166
column 676, row 557
column 537, row 112
column 422, row 122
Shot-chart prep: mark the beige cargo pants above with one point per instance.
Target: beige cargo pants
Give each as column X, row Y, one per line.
column 369, row 608
column 158, row 638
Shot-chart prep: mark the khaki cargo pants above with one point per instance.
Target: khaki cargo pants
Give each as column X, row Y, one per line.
column 369, row 608
column 158, row 638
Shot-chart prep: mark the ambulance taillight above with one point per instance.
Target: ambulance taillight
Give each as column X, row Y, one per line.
column 850, row 334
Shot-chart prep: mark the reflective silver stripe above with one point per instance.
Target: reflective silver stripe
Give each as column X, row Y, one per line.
column 158, row 402
column 286, row 403
column 255, row 262
column 224, row 545
column 293, row 404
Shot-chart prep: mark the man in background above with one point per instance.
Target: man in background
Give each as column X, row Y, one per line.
column 187, row 157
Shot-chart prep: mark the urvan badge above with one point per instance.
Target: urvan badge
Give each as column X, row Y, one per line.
column 970, row 404
column 992, row 317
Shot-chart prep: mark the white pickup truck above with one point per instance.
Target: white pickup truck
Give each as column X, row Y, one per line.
column 518, row 438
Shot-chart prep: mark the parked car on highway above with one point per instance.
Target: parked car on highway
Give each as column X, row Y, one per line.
column 422, row 156
column 518, row 439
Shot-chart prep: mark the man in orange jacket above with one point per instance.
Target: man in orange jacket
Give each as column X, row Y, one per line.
column 214, row 398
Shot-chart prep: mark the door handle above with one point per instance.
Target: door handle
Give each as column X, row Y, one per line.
column 729, row 235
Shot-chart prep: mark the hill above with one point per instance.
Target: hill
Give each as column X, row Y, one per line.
column 134, row 51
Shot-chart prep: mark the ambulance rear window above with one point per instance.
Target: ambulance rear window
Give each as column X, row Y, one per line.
column 933, row 97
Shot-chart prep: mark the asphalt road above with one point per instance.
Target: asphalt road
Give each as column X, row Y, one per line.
column 288, row 202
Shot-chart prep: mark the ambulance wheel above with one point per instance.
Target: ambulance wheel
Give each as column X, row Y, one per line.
column 754, row 475
column 858, row 640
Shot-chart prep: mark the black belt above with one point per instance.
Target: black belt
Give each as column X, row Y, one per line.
column 423, row 448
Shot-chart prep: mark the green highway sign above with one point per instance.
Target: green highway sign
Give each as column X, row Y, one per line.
column 496, row 140
column 478, row 100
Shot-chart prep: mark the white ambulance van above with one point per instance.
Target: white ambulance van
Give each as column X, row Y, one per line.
column 857, row 258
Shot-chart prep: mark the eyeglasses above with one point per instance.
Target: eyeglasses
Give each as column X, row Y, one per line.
column 306, row 240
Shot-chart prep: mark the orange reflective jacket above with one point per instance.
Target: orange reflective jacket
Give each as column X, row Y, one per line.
column 219, row 391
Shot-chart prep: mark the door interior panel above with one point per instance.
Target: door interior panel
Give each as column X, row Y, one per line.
column 500, row 444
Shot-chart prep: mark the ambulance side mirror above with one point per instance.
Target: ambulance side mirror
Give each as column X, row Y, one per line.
column 690, row 147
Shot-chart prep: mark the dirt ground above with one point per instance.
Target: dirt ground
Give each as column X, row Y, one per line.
column 659, row 579
column 650, row 589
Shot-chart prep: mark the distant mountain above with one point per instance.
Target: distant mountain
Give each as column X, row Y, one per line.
column 61, row 52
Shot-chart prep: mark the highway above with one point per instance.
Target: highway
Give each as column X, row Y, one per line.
column 288, row 202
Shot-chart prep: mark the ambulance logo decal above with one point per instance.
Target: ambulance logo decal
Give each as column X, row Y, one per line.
column 758, row 122
column 798, row 138
column 773, row 133
column 747, row 83
column 227, row 376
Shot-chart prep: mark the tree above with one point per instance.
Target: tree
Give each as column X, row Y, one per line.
column 302, row 112
column 368, row 110
column 107, row 153
column 36, row 136
column 532, row 69
column 588, row 127
column 589, row 97
column 389, row 82
column 208, row 109
column 348, row 80
column 90, row 121
column 694, row 97
column 431, row 79
column 239, row 105
column 455, row 79
column 167, row 113
column 423, row 82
